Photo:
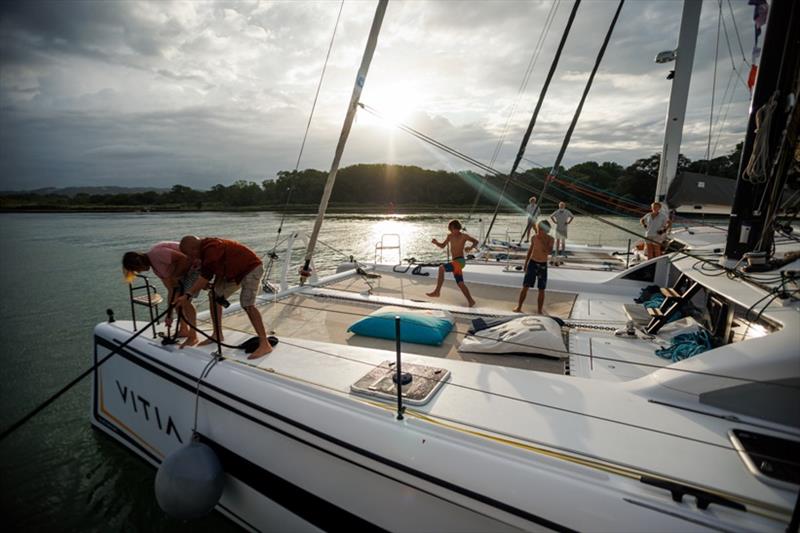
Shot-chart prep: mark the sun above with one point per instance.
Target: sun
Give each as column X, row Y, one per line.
column 396, row 103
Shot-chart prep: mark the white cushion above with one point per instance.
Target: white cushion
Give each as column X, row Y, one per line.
column 526, row 335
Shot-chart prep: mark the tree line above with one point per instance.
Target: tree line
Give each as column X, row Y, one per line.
column 402, row 186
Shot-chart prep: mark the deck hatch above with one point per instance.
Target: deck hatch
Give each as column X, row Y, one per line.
column 425, row 382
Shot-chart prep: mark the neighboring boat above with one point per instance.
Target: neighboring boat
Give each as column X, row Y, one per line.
column 578, row 426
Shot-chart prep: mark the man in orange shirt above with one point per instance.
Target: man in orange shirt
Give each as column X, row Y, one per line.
column 536, row 265
column 231, row 265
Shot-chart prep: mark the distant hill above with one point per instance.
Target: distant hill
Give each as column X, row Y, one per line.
column 74, row 191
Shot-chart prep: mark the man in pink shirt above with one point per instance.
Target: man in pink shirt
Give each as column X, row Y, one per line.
column 176, row 271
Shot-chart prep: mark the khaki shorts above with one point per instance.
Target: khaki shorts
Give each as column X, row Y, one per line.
column 251, row 285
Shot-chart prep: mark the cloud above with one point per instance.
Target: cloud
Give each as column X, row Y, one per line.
column 155, row 93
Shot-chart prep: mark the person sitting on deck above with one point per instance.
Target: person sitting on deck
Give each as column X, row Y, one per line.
column 656, row 224
column 536, row 265
column 532, row 212
column 231, row 265
column 176, row 272
column 562, row 217
column 456, row 239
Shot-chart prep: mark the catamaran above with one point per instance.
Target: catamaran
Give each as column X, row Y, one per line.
column 382, row 408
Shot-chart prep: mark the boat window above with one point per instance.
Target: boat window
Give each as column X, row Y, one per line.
column 767, row 456
column 644, row 273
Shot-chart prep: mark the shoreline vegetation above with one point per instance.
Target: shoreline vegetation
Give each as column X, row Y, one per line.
column 386, row 189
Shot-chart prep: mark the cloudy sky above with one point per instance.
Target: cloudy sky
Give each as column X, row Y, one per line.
column 158, row 93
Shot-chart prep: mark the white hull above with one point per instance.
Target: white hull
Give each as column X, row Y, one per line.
column 300, row 457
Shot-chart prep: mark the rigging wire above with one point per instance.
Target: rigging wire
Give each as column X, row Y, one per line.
column 526, row 77
column 738, row 35
column 523, row 85
column 272, row 255
column 319, row 85
column 713, row 89
column 522, row 185
column 526, row 137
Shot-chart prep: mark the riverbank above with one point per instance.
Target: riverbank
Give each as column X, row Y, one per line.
column 294, row 209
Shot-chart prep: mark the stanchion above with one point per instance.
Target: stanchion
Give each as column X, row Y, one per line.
column 399, row 373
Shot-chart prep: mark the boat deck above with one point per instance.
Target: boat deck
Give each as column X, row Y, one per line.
column 325, row 314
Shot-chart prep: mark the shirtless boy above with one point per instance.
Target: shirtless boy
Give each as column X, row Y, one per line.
column 457, row 240
column 536, row 265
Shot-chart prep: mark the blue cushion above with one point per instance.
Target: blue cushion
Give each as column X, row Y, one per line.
column 420, row 327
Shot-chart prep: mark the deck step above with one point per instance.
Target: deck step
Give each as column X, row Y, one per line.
column 152, row 301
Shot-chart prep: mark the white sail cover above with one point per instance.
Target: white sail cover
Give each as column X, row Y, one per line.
column 526, row 335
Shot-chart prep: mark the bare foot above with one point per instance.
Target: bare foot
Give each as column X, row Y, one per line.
column 190, row 341
column 206, row 342
column 471, row 303
column 434, row 294
column 263, row 349
column 517, row 309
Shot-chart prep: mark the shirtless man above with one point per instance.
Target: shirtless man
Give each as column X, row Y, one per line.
column 231, row 265
column 175, row 271
column 457, row 240
column 536, row 265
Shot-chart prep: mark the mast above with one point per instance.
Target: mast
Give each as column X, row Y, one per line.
column 361, row 78
column 755, row 202
column 679, row 94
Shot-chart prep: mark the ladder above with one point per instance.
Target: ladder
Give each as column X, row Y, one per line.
column 150, row 299
column 392, row 244
column 674, row 297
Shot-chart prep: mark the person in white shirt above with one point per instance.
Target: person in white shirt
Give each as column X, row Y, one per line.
column 562, row 217
column 532, row 212
column 656, row 224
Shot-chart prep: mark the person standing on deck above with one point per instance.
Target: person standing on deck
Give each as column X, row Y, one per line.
column 532, row 212
column 562, row 217
column 176, row 271
column 456, row 239
column 231, row 265
column 656, row 224
column 536, row 265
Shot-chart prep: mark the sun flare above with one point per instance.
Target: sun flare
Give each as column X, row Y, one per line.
column 396, row 103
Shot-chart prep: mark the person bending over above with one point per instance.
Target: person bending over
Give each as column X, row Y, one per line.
column 231, row 265
column 176, row 272
column 456, row 239
column 536, row 265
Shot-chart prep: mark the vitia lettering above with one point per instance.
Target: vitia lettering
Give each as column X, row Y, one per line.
column 145, row 405
column 171, row 427
column 123, row 393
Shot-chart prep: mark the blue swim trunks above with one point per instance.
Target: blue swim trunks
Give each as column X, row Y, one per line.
column 456, row 266
column 535, row 271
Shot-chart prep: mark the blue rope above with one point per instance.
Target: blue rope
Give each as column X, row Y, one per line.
column 686, row 345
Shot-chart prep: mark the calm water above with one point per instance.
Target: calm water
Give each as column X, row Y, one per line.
column 60, row 273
